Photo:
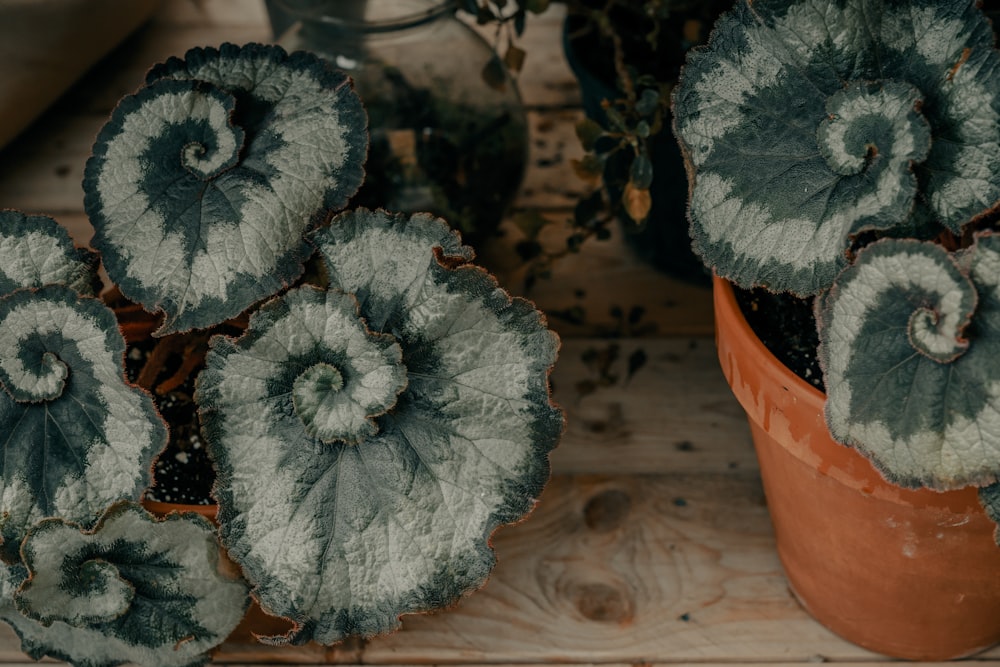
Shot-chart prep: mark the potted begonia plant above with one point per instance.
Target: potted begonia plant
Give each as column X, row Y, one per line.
column 846, row 154
column 371, row 427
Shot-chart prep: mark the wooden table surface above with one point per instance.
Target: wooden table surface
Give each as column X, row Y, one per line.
column 652, row 543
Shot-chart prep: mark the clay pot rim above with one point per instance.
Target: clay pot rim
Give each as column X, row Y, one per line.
column 725, row 293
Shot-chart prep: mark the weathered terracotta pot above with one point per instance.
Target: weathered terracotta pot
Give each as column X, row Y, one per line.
column 909, row 573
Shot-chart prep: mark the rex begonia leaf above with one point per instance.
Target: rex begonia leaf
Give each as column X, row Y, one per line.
column 344, row 535
column 135, row 589
column 35, row 251
column 805, row 124
column 989, row 498
column 204, row 182
column 909, row 343
column 76, row 435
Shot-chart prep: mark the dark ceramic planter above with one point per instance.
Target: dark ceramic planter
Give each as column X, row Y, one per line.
column 663, row 241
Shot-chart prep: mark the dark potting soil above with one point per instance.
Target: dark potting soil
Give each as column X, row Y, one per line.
column 787, row 327
column 183, row 472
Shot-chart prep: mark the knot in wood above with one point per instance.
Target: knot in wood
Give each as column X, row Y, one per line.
column 603, row 603
column 607, row 510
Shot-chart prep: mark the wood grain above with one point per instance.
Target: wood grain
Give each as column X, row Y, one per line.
column 638, row 568
column 613, row 568
column 674, row 414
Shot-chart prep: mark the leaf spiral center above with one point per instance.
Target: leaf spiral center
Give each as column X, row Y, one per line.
column 871, row 123
column 316, row 396
column 49, row 384
column 937, row 334
column 98, row 586
column 35, row 375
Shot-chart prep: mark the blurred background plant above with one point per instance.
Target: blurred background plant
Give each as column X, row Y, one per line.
column 448, row 130
column 627, row 55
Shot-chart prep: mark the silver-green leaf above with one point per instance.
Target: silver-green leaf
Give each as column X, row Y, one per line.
column 806, row 125
column 345, row 535
column 135, row 589
column 76, row 435
column 989, row 498
column 203, row 184
column 909, row 342
column 36, row 251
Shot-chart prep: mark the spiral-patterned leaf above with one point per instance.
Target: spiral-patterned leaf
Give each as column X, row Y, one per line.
column 345, row 535
column 35, row 251
column 204, row 182
column 76, row 436
column 134, row 589
column 909, row 341
column 805, row 124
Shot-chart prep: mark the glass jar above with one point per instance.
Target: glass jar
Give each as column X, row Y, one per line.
column 442, row 139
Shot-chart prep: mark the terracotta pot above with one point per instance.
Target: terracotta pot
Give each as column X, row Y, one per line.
column 909, row 573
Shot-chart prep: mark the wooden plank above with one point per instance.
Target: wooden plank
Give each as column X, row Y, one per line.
column 675, row 414
column 41, row 171
column 549, row 180
column 124, row 70
column 604, row 290
column 248, row 652
column 595, row 285
column 638, row 568
column 602, row 280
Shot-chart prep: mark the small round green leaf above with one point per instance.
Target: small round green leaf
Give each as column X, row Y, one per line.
column 909, row 347
column 640, row 172
column 134, row 589
column 344, row 537
column 203, row 183
column 588, row 131
column 648, row 102
column 805, row 126
column 77, row 436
